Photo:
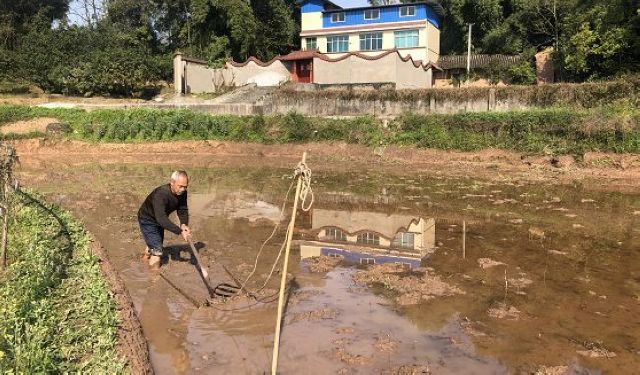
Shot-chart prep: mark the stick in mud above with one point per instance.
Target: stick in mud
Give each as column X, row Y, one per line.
column 186, row 295
column 464, row 239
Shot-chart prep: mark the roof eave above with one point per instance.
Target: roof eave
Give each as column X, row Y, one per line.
column 434, row 4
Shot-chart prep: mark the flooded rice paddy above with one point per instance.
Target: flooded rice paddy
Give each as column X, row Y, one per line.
column 515, row 278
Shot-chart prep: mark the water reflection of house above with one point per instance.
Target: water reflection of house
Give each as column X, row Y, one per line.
column 370, row 237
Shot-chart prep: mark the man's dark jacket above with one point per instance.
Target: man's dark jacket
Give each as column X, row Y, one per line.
column 162, row 202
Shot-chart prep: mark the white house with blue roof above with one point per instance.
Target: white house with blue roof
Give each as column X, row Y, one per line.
column 381, row 46
column 411, row 29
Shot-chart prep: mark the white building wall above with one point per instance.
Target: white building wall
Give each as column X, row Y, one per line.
column 433, row 42
column 425, row 36
column 311, row 21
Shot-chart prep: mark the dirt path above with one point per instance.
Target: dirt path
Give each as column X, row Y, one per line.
column 598, row 171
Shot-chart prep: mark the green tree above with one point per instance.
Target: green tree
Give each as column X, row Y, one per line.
column 276, row 28
column 484, row 14
column 18, row 17
column 601, row 39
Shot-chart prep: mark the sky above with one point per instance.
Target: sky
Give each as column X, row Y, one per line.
column 76, row 6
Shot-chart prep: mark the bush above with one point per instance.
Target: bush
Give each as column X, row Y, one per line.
column 295, row 128
column 615, row 127
column 7, row 87
column 84, row 61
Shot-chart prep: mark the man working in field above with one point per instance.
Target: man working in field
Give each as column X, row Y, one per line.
column 153, row 215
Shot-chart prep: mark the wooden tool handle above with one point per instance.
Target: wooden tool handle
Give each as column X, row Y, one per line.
column 204, row 271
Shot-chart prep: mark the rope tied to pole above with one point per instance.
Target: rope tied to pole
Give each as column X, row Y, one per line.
column 304, row 172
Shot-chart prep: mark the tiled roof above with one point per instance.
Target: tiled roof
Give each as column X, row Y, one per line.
column 299, row 55
column 478, row 61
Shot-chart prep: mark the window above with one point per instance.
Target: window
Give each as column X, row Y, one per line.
column 372, row 14
column 407, row 11
column 335, row 234
column 337, row 17
column 406, row 39
column 368, row 238
column 312, row 43
column 338, row 43
column 404, row 240
column 370, row 41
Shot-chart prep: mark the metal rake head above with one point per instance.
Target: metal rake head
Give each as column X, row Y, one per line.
column 226, row 290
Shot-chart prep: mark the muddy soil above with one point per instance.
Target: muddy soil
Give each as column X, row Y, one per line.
column 548, row 282
column 604, row 171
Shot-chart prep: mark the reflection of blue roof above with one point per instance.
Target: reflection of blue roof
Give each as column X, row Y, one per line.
column 356, row 257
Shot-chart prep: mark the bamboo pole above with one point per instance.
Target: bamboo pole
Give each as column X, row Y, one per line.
column 276, row 340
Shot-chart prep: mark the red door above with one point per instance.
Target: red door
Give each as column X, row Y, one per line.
column 304, row 71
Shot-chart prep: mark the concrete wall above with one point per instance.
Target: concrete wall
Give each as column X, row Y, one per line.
column 357, row 70
column 415, row 53
column 193, row 76
column 354, row 70
column 198, row 78
column 254, row 73
column 320, row 106
column 410, row 77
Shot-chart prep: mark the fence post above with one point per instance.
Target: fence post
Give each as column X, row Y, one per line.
column 5, row 222
column 178, row 73
column 6, row 178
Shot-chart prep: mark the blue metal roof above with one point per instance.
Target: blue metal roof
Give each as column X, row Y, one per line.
column 387, row 14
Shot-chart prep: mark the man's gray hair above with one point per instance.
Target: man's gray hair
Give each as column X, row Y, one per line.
column 177, row 174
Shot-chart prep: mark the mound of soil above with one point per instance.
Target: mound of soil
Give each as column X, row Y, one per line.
column 412, row 287
column 314, row 315
column 408, row 370
column 555, row 370
column 343, row 355
column 28, row 126
column 485, row 263
column 503, row 311
column 323, row 263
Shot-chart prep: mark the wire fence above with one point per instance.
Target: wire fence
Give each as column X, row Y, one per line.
column 8, row 184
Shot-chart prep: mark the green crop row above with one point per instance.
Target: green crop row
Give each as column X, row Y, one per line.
column 614, row 128
column 56, row 312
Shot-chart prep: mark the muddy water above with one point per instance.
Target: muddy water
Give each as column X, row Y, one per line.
column 550, row 278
